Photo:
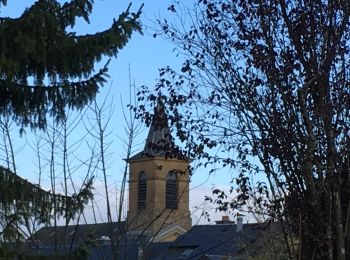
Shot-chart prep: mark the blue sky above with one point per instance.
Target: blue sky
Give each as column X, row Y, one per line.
column 144, row 55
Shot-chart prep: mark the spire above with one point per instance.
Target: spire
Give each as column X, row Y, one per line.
column 159, row 141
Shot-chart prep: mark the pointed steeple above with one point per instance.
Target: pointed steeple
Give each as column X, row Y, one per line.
column 159, row 141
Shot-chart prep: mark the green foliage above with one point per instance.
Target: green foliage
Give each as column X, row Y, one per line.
column 44, row 69
column 81, row 253
column 20, row 200
column 37, row 46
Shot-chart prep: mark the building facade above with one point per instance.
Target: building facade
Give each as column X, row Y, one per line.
column 159, row 185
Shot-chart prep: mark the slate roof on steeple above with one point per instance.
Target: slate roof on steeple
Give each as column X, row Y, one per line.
column 159, row 142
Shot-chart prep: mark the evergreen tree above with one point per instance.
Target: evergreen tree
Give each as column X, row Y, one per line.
column 38, row 46
column 44, row 69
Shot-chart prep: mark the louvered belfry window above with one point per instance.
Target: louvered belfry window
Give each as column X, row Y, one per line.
column 171, row 191
column 142, row 190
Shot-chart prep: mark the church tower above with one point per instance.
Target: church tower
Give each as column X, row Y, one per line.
column 159, row 184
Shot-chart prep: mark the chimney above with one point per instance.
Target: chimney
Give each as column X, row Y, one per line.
column 239, row 226
column 224, row 220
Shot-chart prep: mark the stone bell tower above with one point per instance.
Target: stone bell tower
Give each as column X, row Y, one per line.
column 159, row 184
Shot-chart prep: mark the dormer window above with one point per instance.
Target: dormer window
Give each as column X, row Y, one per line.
column 171, row 190
column 142, row 190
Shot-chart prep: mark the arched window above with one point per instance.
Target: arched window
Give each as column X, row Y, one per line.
column 142, row 190
column 171, row 191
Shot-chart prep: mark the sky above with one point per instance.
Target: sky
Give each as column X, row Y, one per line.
column 143, row 56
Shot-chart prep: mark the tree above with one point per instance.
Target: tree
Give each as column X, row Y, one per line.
column 266, row 83
column 37, row 45
column 45, row 69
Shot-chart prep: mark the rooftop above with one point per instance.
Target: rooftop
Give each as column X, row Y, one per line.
column 200, row 242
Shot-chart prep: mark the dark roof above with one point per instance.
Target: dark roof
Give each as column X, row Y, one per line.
column 76, row 234
column 212, row 241
column 159, row 142
column 200, row 242
column 43, row 242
